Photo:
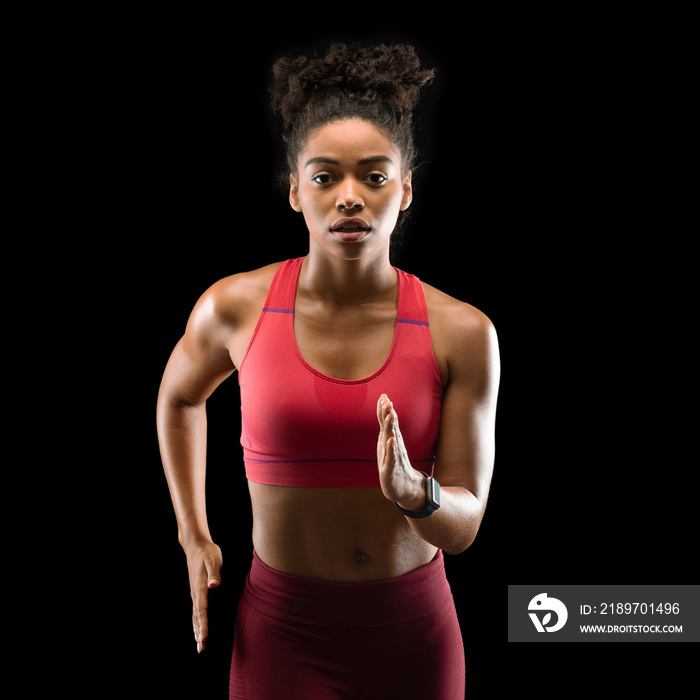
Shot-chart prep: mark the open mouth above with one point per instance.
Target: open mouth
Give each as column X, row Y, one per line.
column 350, row 229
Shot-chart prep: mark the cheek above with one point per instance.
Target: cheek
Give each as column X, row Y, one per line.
column 392, row 204
column 311, row 207
column 315, row 213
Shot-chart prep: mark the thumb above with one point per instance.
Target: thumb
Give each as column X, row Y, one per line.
column 213, row 568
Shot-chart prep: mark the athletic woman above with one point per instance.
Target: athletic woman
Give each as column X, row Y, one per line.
column 368, row 408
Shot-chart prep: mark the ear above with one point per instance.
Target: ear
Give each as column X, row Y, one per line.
column 407, row 192
column 294, row 192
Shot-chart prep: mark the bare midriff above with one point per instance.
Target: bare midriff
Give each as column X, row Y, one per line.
column 345, row 535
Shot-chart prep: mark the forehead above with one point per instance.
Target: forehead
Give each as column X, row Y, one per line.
column 348, row 140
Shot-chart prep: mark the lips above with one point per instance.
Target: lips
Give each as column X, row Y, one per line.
column 350, row 225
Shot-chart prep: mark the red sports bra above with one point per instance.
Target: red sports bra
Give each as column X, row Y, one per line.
column 301, row 427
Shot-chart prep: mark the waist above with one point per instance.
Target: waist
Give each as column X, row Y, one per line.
column 423, row 591
column 336, row 534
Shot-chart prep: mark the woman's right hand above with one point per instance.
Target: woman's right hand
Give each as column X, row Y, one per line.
column 204, row 565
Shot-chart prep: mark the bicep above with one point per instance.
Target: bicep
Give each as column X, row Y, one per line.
column 200, row 361
column 466, row 443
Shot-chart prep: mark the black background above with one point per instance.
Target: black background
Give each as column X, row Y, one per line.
column 528, row 207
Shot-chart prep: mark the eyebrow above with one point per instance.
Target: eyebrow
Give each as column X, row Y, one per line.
column 363, row 161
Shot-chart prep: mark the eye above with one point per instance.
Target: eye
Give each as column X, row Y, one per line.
column 376, row 178
column 322, row 179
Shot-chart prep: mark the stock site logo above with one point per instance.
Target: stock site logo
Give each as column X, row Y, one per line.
column 541, row 603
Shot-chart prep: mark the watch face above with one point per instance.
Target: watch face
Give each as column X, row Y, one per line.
column 435, row 496
column 432, row 491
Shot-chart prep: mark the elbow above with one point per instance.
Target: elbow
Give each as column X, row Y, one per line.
column 454, row 550
column 172, row 397
column 174, row 402
column 174, row 411
column 460, row 544
column 463, row 519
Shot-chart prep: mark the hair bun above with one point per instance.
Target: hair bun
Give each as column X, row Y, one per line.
column 390, row 73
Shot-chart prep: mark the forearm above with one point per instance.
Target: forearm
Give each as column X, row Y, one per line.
column 182, row 435
column 454, row 525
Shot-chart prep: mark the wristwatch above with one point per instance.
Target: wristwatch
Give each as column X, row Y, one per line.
column 432, row 499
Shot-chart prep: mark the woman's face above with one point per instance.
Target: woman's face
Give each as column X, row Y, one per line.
column 350, row 188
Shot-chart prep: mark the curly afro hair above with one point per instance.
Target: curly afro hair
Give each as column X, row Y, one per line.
column 380, row 84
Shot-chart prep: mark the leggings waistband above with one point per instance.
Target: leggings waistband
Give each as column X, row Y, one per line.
column 423, row 591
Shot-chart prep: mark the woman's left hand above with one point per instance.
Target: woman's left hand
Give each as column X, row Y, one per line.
column 400, row 482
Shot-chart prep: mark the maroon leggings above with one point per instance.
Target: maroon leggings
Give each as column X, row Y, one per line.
column 300, row 638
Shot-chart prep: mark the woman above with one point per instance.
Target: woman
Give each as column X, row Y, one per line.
column 368, row 407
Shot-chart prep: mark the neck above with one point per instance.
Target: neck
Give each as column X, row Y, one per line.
column 347, row 282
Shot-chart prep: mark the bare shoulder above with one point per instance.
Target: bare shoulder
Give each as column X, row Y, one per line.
column 451, row 317
column 231, row 299
column 464, row 337
column 226, row 313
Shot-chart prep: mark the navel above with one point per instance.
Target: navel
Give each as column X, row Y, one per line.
column 361, row 557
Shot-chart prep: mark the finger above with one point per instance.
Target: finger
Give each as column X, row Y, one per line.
column 391, row 449
column 394, row 425
column 200, row 620
column 381, row 410
column 391, row 421
column 388, row 415
column 389, row 455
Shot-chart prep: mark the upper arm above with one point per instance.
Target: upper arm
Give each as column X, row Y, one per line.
column 467, row 344
column 216, row 336
column 201, row 359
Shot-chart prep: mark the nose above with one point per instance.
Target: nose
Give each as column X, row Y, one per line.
column 349, row 197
